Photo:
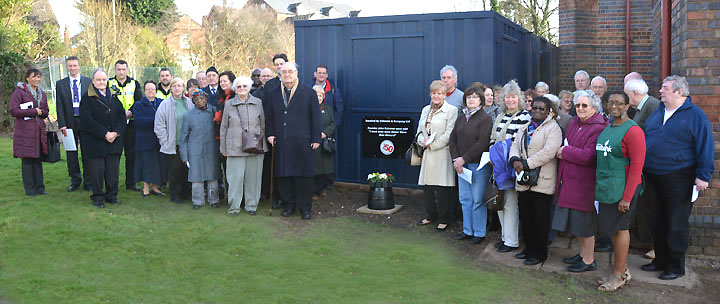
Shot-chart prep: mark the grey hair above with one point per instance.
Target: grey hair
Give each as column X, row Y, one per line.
column 599, row 78
column 241, row 80
column 637, row 85
column 542, row 84
column 290, row 65
column 449, row 68
column 512, row 88
column 594, row 99
column 582, row 72
column 199, row 72
column 98, row 70
column 178, row 79
column 679, row 83
column 553, row 98
column 267, row 70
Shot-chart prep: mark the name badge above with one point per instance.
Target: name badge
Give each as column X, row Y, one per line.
column 76, row 104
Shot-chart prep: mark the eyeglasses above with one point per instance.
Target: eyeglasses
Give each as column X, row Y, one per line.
column 581, row 105
column 473, row 97
column 539, row 109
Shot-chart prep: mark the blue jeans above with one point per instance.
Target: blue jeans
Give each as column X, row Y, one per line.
column 471, row 198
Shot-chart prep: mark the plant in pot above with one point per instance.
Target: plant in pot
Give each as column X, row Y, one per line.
column 380, row 196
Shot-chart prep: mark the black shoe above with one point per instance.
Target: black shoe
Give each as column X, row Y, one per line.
column 462, row 236
column 277, row 204
column 252, row 212
column 196, row 207
column 423, row 222
column 477, row 240
column 573, row 259
column 42, row 192
column 504, row 248
column 668, row 275
column 145, row 195
column 73, row 188
column 521, row 256
column 582, row 267
column 234, row 213
column 650, row 267
column 603, row 247
column 305, row 214
column 288, row 212
column 87, row 187
column 498, row 244
column 156, row 193
column 215, row 205
column 99, row 205
column 531, row 261
column 132, row 188
column 177, row 201
column 113, row 201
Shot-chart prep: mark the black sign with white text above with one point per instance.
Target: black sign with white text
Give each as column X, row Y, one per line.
column 386, row 137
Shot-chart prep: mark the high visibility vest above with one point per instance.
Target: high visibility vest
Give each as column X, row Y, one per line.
column 125, row 94
column 160, row 94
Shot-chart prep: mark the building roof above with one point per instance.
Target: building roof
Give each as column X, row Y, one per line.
column 309, row 7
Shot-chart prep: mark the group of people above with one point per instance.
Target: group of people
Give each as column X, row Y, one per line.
column 213, row 134
column 583, row 163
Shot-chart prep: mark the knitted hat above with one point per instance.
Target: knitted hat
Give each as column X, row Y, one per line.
column 212, row 69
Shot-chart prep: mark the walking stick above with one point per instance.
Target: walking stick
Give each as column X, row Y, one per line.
column 272, row 175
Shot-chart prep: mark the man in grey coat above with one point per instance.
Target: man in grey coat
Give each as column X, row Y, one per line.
column 643, row 103
column 199, row 151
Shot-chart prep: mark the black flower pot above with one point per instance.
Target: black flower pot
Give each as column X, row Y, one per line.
column 380, row 196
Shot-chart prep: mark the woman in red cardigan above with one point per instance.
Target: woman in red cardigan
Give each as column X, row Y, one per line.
column 620, row 158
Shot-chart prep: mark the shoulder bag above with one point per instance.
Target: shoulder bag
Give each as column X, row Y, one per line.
column 530, row 176
column 251, row 142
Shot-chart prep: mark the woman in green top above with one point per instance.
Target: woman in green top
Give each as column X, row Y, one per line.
column 620, row 157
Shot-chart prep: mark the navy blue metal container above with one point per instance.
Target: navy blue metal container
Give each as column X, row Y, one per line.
column 383, row 66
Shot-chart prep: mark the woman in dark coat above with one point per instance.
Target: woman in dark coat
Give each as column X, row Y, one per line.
column 147, row 148
column 28, row 104
column 102, row 118
column 324, row 164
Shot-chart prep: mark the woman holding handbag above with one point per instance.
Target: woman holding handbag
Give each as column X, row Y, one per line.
column 324, row 164
column 533, row 156
column 436, row 172
column 242, row 142
column 28, row 104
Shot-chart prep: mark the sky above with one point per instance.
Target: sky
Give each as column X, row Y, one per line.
column 67, row 14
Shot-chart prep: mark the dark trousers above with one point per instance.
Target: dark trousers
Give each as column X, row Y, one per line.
column 177, row 176
column 534, row 211
column 104, row 171
column 129, row 147
column 639, row 226
column 73, row 164
column 32, row 175
column 296, row 191
column 322, row 181
column 437, row 203
column 668, row 216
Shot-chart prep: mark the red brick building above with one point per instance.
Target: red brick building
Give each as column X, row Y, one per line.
column 592, row 38
column 186, row 34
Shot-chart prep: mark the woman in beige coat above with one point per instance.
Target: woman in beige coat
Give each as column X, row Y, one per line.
column 242, row 113
column 436, row 172
column 536, row 146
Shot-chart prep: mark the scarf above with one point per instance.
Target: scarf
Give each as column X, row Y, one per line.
column 433, row 109
column 469, row 113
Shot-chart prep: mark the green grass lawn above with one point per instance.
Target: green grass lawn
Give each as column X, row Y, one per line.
column 60, row 249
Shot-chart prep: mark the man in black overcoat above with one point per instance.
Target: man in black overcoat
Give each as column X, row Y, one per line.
column 293, row 127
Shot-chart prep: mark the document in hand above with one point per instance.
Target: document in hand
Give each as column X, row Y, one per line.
column 466, row 175
column 69, row 140
column 25, row 106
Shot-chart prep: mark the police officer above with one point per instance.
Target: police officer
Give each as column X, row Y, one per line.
column 163, row 90
column 128, row 91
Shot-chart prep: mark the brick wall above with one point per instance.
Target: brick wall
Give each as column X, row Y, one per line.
column 591, row 38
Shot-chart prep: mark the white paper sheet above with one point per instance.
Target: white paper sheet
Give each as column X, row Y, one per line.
column 597, row 207
column 69, row 140
column 694, row 194
column 430, row 139
column 25, row 106
column 484, row 160
column 565, row 143
column 466, row 175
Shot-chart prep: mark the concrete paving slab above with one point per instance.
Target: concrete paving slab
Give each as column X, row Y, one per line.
column 565, row 247
column 366, row 210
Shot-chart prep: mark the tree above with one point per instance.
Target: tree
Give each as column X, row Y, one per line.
column 106, row 33
column 533, row 15
column 156, row 13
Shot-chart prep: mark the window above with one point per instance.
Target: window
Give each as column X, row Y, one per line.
column 185, row 41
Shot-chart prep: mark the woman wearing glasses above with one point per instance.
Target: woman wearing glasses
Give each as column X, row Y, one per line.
column 575, row 210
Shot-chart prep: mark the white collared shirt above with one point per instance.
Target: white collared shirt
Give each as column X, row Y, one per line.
column 78, row 84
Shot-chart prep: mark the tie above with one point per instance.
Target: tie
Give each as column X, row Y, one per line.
column 212, row 90
column 76, row 99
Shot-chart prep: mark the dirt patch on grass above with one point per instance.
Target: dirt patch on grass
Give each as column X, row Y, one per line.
column 342, row 202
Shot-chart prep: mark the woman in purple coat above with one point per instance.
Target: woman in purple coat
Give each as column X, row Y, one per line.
column 575, row 193
column 29, row 106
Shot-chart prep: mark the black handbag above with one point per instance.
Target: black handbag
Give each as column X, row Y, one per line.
column 530, row 176
column 251, row 142
column 328, row 145
column 53, row 148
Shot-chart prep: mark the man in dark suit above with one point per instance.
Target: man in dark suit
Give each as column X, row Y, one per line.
column 103, row 118
column 212, row 88
column 68, row 92
column 293, row 127
column 643, row 103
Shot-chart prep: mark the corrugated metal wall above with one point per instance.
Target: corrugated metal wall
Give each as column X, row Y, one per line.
column 384, row 65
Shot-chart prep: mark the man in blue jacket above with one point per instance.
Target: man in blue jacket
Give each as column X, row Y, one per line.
column 679, row 156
